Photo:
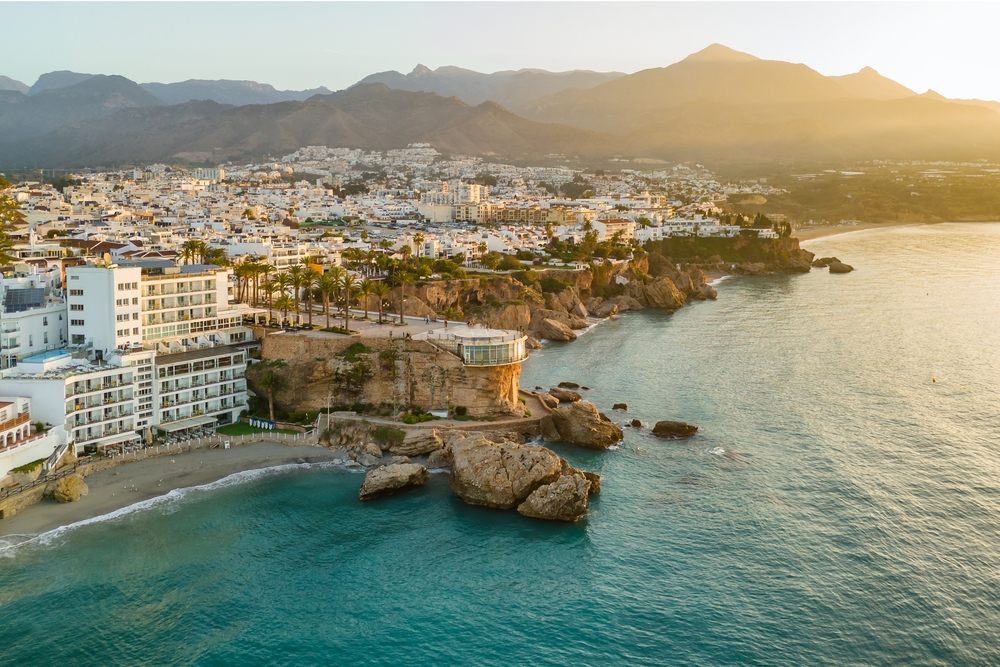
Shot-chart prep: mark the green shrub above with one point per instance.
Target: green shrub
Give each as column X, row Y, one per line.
column 552, row 285
column 28, row 467
column 351, row 353
column 388, row 435
column 461, row 410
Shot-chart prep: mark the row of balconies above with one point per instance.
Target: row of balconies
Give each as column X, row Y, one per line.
column 88, row 386
column 181, row 384
column 101, row 418
column 184, row 400
column 90, row 436
column 90, row 404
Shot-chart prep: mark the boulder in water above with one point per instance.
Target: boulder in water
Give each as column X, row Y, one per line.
column 840, row 267
column 581, row 424
column 565, row 499
column 386, row 480
column 565, row 395
column 417, row 442
column 552, row 330
column 500, row 475
column 568, row 385
column 674, row 429
column 620, row 406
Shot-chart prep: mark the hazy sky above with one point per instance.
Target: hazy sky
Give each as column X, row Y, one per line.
column 949, row 47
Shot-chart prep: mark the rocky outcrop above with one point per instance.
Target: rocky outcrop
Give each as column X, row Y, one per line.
column 387, row 480
column 601, row 308
column 662, row 293
column 548, row 400
column 563, row 500
column 580, row 424
column 568, row 385
column 417, row 442
column 553, row 330
column 595, row 482
column 823, row 262
column 620, row 406
column 509, row 318
column 69, row 489
column 674, row 429
column 380, row 372
column 565, row 395
column 500, row 475
column 532, row 343
column 539, row 315
column 840, row 267
column 440, row 458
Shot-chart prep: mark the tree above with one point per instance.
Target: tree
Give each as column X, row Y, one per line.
column 402, row 277
column 327, row 285
column 10, row 214
column 217, row 256
column 364, row 291
column 284, row 303
column 296, row 275
column 269, row 289
column 270, row 381
column 309, row 281
column 347, row 283
column 382, row 291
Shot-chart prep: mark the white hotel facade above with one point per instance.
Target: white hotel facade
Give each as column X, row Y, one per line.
column 150, row 346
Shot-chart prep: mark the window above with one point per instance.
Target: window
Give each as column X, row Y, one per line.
column 45, row 321
column 76, row 292
column 78, row 339
column 74, row 277
column 76, row 306
column 76, row 323
column 135, row 316
column 31, row 340
column 135, row 331
column 135, row 301
column 45, row 338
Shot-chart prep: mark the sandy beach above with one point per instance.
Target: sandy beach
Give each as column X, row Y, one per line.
column 131, row 483
column 820, row 231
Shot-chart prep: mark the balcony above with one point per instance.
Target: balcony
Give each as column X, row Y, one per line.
column 22, row 418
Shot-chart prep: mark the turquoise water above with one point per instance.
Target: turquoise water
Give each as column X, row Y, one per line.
column 854, row 518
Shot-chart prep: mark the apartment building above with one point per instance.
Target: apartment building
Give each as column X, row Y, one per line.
column 33, row 314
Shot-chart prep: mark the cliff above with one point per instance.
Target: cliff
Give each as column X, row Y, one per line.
column 381, row 372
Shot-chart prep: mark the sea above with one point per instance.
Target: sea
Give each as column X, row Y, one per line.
column 839, row 505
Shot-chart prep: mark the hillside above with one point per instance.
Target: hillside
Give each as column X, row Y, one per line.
column 26, row 116
column 225, row 91
column 371, row 117
column 510, row 89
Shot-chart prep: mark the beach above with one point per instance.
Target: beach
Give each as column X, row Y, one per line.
column 821, row 231
column 130, row 483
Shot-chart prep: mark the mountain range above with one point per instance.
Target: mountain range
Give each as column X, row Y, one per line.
column 715, row 105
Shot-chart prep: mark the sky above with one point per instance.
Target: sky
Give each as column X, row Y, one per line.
column 948, row 47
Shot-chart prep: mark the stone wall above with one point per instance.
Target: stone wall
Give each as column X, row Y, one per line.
column 393, row 372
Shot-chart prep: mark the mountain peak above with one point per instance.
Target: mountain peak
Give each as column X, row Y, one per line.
column 420, row 70
column 720, row 53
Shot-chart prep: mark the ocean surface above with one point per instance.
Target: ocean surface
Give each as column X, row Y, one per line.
column 840, row 505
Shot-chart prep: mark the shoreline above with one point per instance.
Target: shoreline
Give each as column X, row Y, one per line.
column 142, row 482
column 824, row 231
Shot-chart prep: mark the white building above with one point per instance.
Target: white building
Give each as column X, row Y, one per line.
column 33, row 315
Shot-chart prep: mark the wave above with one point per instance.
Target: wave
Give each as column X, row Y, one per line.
column 720, row 279
column 9, row 543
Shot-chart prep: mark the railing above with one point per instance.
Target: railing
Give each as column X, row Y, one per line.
column 22, row 418
column 42, row 479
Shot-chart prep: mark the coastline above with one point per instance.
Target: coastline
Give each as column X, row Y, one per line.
column 822, row 231
column 111, row 490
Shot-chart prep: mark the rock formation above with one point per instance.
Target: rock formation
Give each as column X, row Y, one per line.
column 70, row 489
column 674, row 429
column 417, row 442
column 554, row 330
column 386, row 480
column 500, row 475
column 662, row 293
column 563, row 500
column 620, row 406
column 565, row 395
column 840, row 267
column 580, row 424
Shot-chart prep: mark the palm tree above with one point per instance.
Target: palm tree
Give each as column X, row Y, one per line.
column 402, row 277
column 418, row 240
column 284, row 304
column 240, row 272
column 263, row 271
column 382, row 291
column 217, row 256
column 189, row 250
column 327, row 285
column 347, row 283
column 364, row 291
column 270, row 381
column 296, row 274
column 309, row 281
column 269, row 289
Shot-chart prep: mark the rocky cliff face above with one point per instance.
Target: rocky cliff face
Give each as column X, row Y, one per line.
column 384, row 372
